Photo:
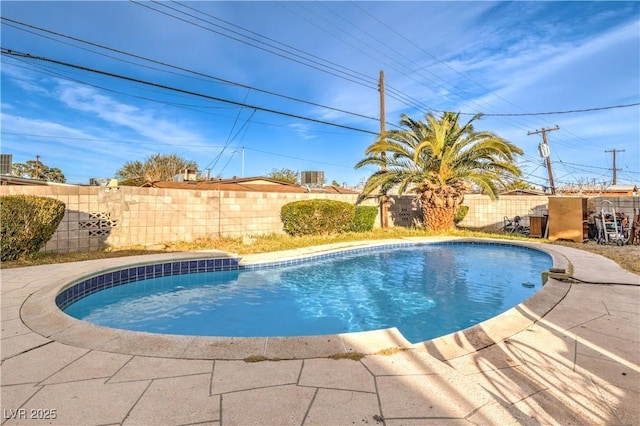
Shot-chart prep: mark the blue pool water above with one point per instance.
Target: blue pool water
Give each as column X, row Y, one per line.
column 425, row 291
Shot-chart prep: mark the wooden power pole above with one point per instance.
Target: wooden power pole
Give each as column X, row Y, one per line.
column 544, row 151
column 615, row 176
column 384, row 206
column 37, row 172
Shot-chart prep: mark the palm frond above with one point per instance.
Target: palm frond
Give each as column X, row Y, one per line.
column 440, row 152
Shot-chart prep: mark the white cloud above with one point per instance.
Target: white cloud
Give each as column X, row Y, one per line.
column 551, row 72
column 146, row 123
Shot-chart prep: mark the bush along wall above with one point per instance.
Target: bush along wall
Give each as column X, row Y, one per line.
column 27, row 222
column 317, row 217
column 460, row 214
column 364, row 218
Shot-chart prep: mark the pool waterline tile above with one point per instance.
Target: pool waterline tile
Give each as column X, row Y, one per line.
column 111, row 279
column 203, row 350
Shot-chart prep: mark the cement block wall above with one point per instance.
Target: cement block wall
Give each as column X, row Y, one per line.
column 488, row 214
column 624, row 205
column 484, row 213
column 100, row 217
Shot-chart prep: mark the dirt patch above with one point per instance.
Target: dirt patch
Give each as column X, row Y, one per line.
column 627, row 256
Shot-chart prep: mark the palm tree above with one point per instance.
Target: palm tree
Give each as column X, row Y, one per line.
column 439, row 160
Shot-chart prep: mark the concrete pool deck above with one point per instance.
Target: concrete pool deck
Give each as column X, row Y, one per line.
column 569, row 355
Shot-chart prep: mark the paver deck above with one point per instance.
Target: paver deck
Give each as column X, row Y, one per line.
column 569, row 355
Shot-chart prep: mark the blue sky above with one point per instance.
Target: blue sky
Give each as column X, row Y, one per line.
column 489, row 57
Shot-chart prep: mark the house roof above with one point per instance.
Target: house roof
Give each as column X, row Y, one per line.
column 15, row 180
column 253, row 184
column 611, row 190
column 623, row 188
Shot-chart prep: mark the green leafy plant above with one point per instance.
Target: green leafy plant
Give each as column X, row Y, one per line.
column 440, row 159
column 27, row 223
column 364, row 218
column 317, row 217
column 461, row 213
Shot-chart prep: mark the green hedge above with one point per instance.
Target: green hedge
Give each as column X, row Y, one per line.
column 27, row 223
column 364, row 218
column 313, row 217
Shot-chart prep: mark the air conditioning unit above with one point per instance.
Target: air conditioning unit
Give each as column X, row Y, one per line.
column 6, row 161
column 186, row 175
column 312, row 178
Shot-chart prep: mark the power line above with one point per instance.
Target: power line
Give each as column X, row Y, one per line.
column 182, row 144
column 10, row 52
column 164, row 64
column 319, row 64
column 309, row 62
column 363, row 76
column 559, row 112
column 595, row 167
column 395, row 93
column 391, row 91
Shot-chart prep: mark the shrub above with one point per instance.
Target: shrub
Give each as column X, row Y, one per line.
column 460, row 213
column 364, row 218
column 27, row 223
column 317, row 217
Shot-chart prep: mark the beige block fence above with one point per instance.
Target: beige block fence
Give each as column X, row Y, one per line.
column 99, row 217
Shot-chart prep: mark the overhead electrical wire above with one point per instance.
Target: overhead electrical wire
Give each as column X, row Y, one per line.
column 571, row 111
column 389, row 88
column 231, row 137
column 201, row 74
column 6, row 51
column 391, row 91
column 318, row 63
column 229, row 82
column 190, row 107
column 310, row 62
column 298, row 52
column 390, row 28
column 488, row 114
column 522, row 126
column 204, row 146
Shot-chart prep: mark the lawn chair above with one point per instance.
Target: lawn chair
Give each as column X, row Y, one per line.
column 513, row 226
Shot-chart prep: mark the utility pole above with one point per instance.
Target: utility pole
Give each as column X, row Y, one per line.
column 615, row 176
column 384, row 210
column 545, row 152
column 37, row 174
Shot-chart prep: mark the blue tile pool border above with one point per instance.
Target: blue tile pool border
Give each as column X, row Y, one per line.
column 100, row 281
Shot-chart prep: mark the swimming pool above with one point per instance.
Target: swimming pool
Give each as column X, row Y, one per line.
column 424, row 290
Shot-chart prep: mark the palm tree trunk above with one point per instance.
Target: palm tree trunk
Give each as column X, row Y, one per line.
column 439, row 206
column 438, row 218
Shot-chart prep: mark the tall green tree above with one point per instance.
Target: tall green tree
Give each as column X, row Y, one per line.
column 285, row 175
column 37, row 170
column 439, row 160
column 157, row 167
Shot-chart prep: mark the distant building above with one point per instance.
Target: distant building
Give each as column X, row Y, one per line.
column 254, row 184
column 15, row 180
column 599, row 191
